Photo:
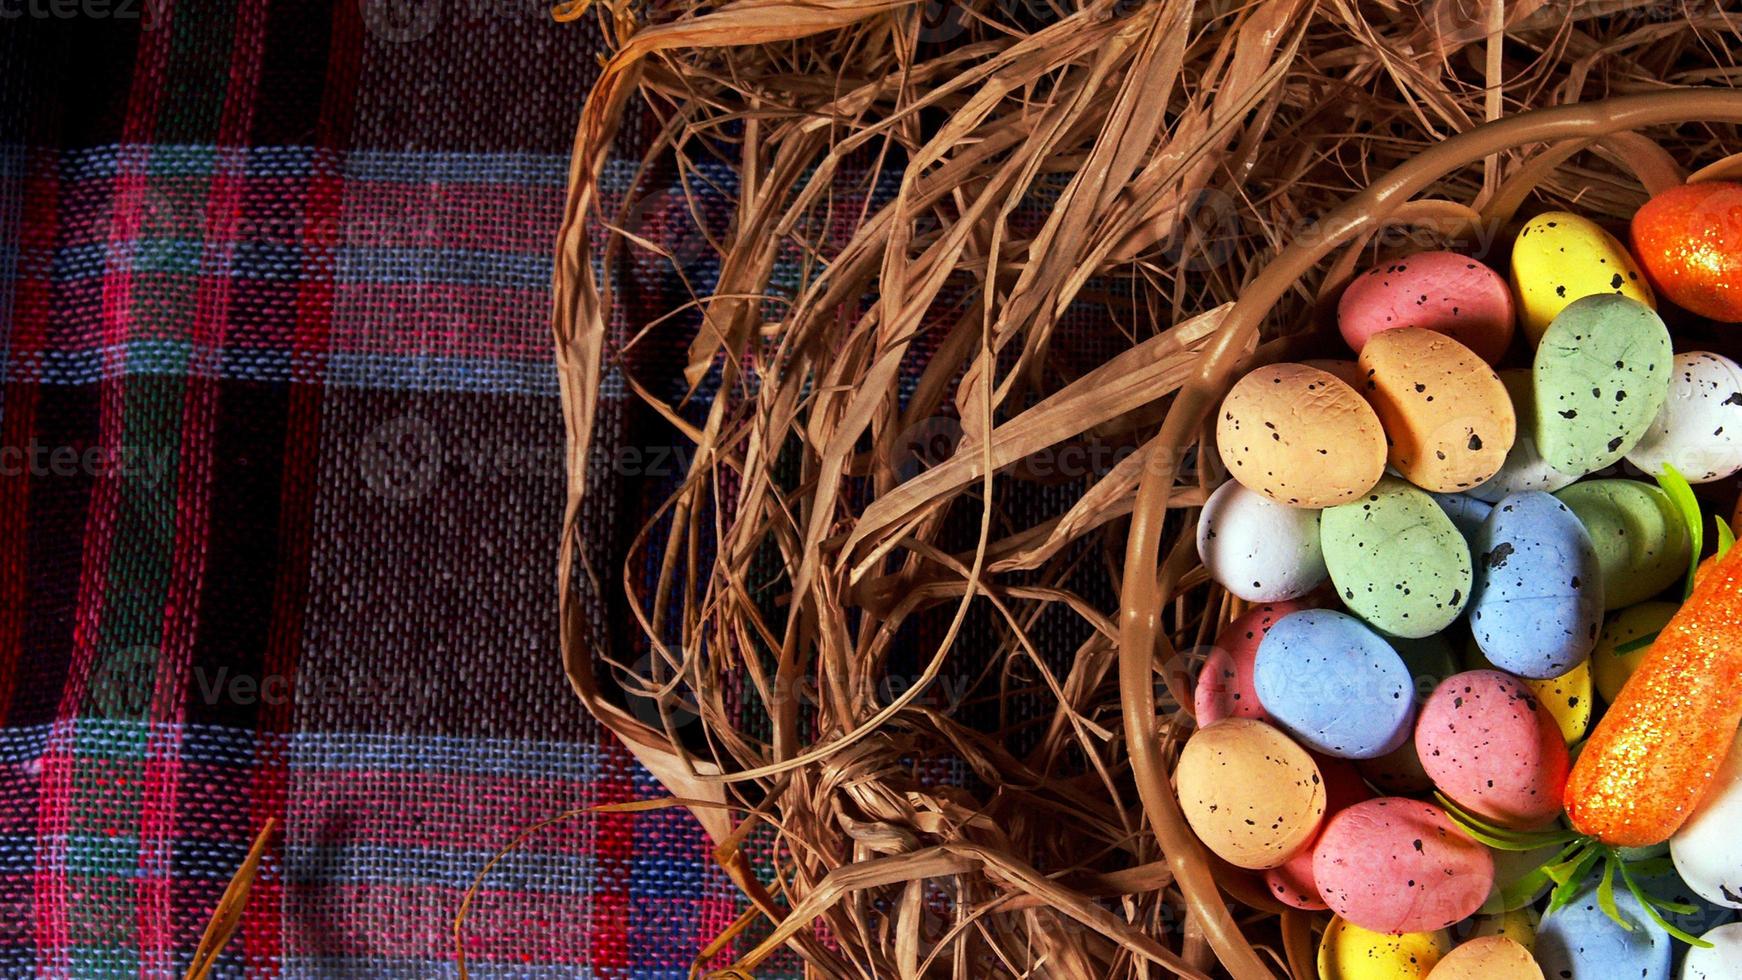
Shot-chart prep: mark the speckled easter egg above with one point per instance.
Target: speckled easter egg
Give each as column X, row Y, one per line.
column 1578, row 941
column 1617, row 653
column 1488, row 958
column 1349, row 952
column 1292, row 882
column 1537, row 602
column 1334, row 684
column 1444, row 292
column 1600, row 376
column 1224, row 688
column 1397, row 560
column 1250, row 794
column 1445, row 412
column 1397, row 772
column 1689, row 241
column 1699, row 428
column 1518, row 925
column 1567, row 698
column 1397, row 865
column 1345, row 370
column 1489, row 746
column 1721, row 961
column 1524, row 469
column 1467, row 512
column 1559, row 258
column 1258, row 549
column 1300, row 436
column 1641, row 541
column 1708, row 849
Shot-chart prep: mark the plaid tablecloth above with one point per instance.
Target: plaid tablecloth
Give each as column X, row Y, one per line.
column 280, row 480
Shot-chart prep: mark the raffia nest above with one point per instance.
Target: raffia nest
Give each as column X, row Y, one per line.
column 1006, row 230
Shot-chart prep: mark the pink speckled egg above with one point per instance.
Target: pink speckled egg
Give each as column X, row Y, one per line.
column 1397, row 865
column 1490, row 746
column 1293, row 883
column 1225, row 684
column 1440, row 291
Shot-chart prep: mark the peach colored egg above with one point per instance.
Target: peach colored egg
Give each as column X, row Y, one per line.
column 1292, row 883
column 1449, row 420
column 1346, row 370
column 1487, row 743
column 1224, row 688
column 1397, row 865
column 1488, row 958
column 1300, row 436
column 1440, row 291
column 1250, row 793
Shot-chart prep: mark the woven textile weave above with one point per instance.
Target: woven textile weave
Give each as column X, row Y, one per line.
column 279, row 494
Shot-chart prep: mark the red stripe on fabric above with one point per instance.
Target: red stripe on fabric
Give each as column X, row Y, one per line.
column 444, row 320
column 613, row 836
column 156, row 910
column 457, row 215
column 30, row 314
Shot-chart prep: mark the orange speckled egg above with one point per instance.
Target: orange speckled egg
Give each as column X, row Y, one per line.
column 1689, row 239
column 1488, row 958
column 1449, row 419
column 1250, row 793
column 1300, row 436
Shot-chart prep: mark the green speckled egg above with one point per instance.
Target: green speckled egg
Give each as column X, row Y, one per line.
column 1600, row 376
column 1397, row 560
column 1642, row 543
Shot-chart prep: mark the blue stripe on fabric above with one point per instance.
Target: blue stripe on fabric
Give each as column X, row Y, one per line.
column 465, row 267
column 337, row 751
column 459, row 168
column 396, row 968
column 524, row 871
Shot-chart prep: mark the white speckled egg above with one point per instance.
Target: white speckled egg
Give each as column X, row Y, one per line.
column 1258, row 549
column 1699, row 428
column 1707, row 849
column 1723, row 961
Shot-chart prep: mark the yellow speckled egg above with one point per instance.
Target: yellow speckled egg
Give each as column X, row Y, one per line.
column 1349, row 952
column 1567, row 697
column 1446, row 414
column 1488, row 958
column 1559, row 257
column 1620, row 648
column 1300, row 436
column 1250, row 793
column 1518, row 925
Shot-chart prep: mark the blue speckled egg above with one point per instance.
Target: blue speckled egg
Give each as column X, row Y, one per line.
column 1580, row 942
column 1537, row 602
column 1335, row 685
column 1467, row 513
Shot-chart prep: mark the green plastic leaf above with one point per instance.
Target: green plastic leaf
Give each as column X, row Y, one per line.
column 1650, row 907
column 1606, row 894
column 1682, row 495
column 1637, row 643
column 1502, row 838
column 1726, row 537
column 1571, row 877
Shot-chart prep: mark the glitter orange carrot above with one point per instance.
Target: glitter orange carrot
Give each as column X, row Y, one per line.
column 1649, row 761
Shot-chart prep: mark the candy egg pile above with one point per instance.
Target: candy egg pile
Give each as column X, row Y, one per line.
column 1458, row 548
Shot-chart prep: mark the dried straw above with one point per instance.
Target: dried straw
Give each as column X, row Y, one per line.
column 960, row 190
